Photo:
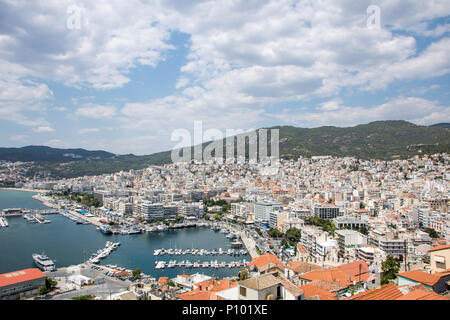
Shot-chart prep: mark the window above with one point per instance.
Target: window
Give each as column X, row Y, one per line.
column 243, row 291
column 440, row 262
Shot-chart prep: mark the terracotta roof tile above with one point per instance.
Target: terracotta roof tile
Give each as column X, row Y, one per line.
column 386, row 292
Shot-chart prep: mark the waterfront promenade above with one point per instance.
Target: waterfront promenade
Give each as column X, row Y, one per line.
column 46, row 202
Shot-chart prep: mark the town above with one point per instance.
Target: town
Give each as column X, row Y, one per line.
column 319, row 228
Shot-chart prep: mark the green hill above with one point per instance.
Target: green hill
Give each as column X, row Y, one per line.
column 384, row 140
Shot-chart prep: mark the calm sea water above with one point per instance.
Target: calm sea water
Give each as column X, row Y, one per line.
column 68, row 243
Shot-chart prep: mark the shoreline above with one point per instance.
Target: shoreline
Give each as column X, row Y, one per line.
column 25, row 190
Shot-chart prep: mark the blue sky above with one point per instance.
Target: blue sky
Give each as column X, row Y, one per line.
column 123, row 77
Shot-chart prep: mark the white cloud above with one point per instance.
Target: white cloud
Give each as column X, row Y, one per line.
column 43, row 129
column 88, row 130
column 19, row 138
column 416, row 110
column 95, row 111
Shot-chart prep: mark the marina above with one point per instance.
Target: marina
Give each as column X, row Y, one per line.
column 200, row 264
column 200, row 252
column 74, row 218
column 70, row 243
column 105, row 252
column 35, row 217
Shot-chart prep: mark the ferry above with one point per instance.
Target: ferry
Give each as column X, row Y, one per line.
column 43, row 262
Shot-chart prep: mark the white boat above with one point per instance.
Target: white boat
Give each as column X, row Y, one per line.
column 3, row 222
column 43, row 262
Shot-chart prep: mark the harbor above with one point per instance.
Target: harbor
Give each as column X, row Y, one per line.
column 199, row 252
column 200, row 264
column 69, row 243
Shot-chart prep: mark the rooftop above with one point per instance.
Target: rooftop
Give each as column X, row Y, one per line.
column 7, row 279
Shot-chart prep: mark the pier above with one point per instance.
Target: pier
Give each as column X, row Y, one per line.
column 199, row 264
column 250, row 244
column 199, row 252
column 103, row 253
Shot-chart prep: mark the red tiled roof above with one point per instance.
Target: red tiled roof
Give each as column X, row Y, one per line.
column 422, row 295
column 310, row 290
column 199, row 295
column 264, row 260
column 10, row 278
column 422, row 277
column 386, row 292
column 440, row 248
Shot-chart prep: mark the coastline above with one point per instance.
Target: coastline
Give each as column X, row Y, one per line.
column 23, row 189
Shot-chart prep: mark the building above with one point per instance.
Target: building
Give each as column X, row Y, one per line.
column 126, row 208
column 265, row 263
column 390, row 242
column 276, row 219
column 349, row 239
column 349, row 222
column 21, row 284
column 327, row 212
column 436, row 281
column 439, row 258
column 291, row 223
column 263, row 209
column 152, row 210
column 269, row 286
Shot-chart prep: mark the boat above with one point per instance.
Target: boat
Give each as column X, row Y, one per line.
column 236, row 244
column 3, row 222
column 43, row 262
column 105, row 229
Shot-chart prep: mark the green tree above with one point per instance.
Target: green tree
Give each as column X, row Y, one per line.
column 137, row 273
column 432, row 233
column 275, row 233
column 244, row 274
column 390, row 268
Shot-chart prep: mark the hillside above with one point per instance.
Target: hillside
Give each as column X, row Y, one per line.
column 442, row 125
column 384, row 140
column 42, row 153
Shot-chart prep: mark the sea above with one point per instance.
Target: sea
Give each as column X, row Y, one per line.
column 68, row 243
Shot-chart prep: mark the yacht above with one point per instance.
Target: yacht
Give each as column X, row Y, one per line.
column 43, row 262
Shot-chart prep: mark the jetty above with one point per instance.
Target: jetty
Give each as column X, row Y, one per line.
column 199, row 264
column 103, row 253
column 199, row 252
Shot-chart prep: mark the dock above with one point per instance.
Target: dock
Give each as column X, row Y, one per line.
column 103, row 253
column 199, row 252
column 199, row 264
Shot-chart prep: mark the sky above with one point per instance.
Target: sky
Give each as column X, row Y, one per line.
column 123, row 76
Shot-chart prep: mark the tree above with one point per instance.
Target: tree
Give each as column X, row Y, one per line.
column 275, row 233
column 390, row 268
column 293, row 235
column 137, row 273
column 243, row 274
column 432, row 233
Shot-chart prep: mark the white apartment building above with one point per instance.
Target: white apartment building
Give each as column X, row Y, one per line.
column 276, row 218
column 349, row 239
column 263, row 209
column 152, row 210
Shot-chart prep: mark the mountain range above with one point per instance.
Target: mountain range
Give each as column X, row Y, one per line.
column 384, row 140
